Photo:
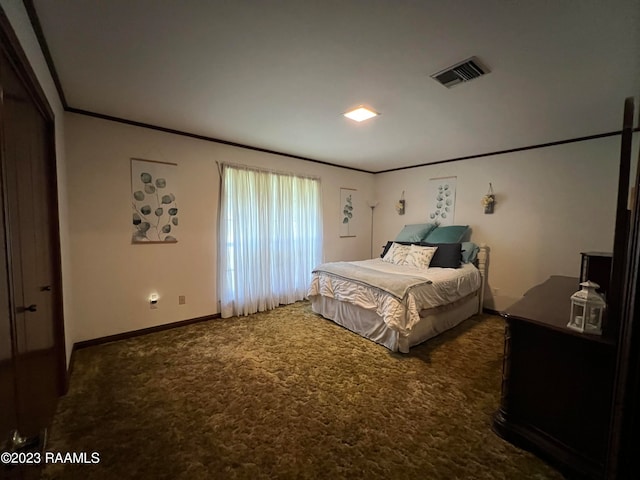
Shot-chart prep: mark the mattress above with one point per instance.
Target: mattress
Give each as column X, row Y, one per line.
column 445, row 286
column 368, row 324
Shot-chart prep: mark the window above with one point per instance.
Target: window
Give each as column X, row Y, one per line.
column 270, row 238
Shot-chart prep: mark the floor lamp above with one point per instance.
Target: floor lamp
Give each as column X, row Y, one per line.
column 372, row 204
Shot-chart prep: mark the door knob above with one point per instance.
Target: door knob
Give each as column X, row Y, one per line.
column 46, row 288
column 31, row 308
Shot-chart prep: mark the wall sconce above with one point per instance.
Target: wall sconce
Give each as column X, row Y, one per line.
column 489, row 200
column 400, row 205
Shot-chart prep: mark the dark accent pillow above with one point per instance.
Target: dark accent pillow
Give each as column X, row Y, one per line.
column 386, row 248
column 448, row 255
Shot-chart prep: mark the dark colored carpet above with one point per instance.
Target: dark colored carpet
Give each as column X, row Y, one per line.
column 287, row 394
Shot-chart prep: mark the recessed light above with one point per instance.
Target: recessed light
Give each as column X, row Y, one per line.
column 360, row 114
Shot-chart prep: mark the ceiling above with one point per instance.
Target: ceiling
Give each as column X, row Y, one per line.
column 277, row 75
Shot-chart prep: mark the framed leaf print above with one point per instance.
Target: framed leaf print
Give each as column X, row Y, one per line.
column 348, row 212
column 441, row 195
column 154, row 202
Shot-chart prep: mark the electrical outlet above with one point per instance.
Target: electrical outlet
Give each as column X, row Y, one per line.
column 182, row 300
column 153, row 301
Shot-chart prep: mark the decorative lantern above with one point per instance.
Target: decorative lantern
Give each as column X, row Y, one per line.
column 587, row 307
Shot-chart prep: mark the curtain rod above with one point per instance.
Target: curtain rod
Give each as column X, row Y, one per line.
column 263, row 169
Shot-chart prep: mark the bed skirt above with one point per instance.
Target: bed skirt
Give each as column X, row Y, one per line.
column 370, row 325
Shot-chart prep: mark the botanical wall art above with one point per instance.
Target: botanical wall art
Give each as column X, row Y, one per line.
column 348, row 212
column 153, row 198
column 441, row 198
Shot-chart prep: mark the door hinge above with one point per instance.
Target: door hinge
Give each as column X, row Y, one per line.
column 17, row 442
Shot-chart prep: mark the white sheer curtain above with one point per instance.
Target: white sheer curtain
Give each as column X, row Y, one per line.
column 270, row 238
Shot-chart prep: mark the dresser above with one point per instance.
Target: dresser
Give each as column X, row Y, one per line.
column 556, row 383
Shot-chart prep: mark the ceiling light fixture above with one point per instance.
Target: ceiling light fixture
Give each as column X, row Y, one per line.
column 360, row 114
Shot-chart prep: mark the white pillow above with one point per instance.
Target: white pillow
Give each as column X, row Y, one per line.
column 420, row 257
column 397, row 254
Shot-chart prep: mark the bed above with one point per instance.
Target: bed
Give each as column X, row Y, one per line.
column 398, row 305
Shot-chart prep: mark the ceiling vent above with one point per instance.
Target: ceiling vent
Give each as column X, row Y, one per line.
column 460, row 72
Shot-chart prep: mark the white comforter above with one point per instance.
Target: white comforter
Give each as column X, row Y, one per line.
column 448, row 285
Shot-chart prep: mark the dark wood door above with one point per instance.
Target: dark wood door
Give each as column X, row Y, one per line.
column 8, row 408
column 32, row 279
column 624, row 443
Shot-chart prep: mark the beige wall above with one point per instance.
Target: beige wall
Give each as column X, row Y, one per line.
column 112, row 278
column 19, row 20
column 552, row 204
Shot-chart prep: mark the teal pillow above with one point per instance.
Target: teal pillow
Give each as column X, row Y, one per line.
column 415, row 233
column 469, row 252
column 448, row 234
